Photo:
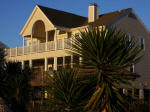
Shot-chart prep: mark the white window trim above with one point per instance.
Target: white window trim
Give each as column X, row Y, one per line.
column 133, row 68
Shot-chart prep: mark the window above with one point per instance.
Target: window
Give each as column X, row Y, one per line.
column 132, row 68
column 30, row 43
column 142, row 43
column 128, row 38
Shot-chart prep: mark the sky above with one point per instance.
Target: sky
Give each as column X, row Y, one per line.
column 14, row 13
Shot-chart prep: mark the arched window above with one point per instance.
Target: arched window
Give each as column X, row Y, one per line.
column 38, row 31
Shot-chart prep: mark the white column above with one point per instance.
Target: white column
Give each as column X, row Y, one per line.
column 46, row 64
column 64, row 61
column 80, row 60
column 63, row 43
column 16, row 51
column 141, row 94
column 71, row 39
column 22, row 63
column 71, row 61
column 55, row 63
column 31, row 39
column 30, row 63
column 31, row 43
column 55, row 39
column 10, row 51
column 46, row 41
column 23, row 47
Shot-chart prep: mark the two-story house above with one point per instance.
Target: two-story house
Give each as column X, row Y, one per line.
column 47, row 31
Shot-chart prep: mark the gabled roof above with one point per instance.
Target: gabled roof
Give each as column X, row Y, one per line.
column 105, row 19
column 69, row 20
column 64, row 19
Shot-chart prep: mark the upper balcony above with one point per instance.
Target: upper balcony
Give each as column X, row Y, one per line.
column 60, row 44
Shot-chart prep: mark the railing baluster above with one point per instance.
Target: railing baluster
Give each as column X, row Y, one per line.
column 41, row 47
column 10, row 52
column 16, row 51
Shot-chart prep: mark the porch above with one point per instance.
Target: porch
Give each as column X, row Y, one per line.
column 60, row 44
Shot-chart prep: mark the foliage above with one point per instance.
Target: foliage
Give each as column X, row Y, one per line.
column 68, row 91
column 2, row 58
column 18, row 82
column 15, row 87
column 2, row 61
column 110, row 54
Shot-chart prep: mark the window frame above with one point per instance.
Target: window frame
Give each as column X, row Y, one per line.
column 133, row 68
column 142, row 43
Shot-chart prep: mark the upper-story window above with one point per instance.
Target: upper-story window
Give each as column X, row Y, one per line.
column 128, row 38
column 142, row 43
column 132, row 68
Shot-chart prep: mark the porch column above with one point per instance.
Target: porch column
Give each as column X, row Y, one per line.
column 31, row 39
column 46, row 41
column 16, row 51
column 10, row 52
column 22, row 63
column 55, row 63
column 30, row 63
column 46, row 64
column 80, row 60
column 63, row 61
column 23, row 47
column 55, row 39
column 31, row 43
column 71, row 61
column 141, row 93
column 63, row 43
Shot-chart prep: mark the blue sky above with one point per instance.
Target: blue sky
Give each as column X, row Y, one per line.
column 14, row 13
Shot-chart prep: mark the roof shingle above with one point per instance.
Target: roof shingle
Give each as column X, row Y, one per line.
column 64, row 19
column 69, row 20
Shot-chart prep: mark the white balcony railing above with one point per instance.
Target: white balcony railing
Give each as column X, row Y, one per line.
column 42, row 47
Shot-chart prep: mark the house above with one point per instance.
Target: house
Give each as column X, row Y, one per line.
column 47, row 30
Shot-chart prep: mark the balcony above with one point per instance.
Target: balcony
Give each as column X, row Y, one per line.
column 60, row 44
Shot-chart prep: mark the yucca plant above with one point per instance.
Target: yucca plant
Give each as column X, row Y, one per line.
column 110, row 54
column 68, row 91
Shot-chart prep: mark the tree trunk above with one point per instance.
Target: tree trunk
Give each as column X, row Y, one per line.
column 99, row 78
